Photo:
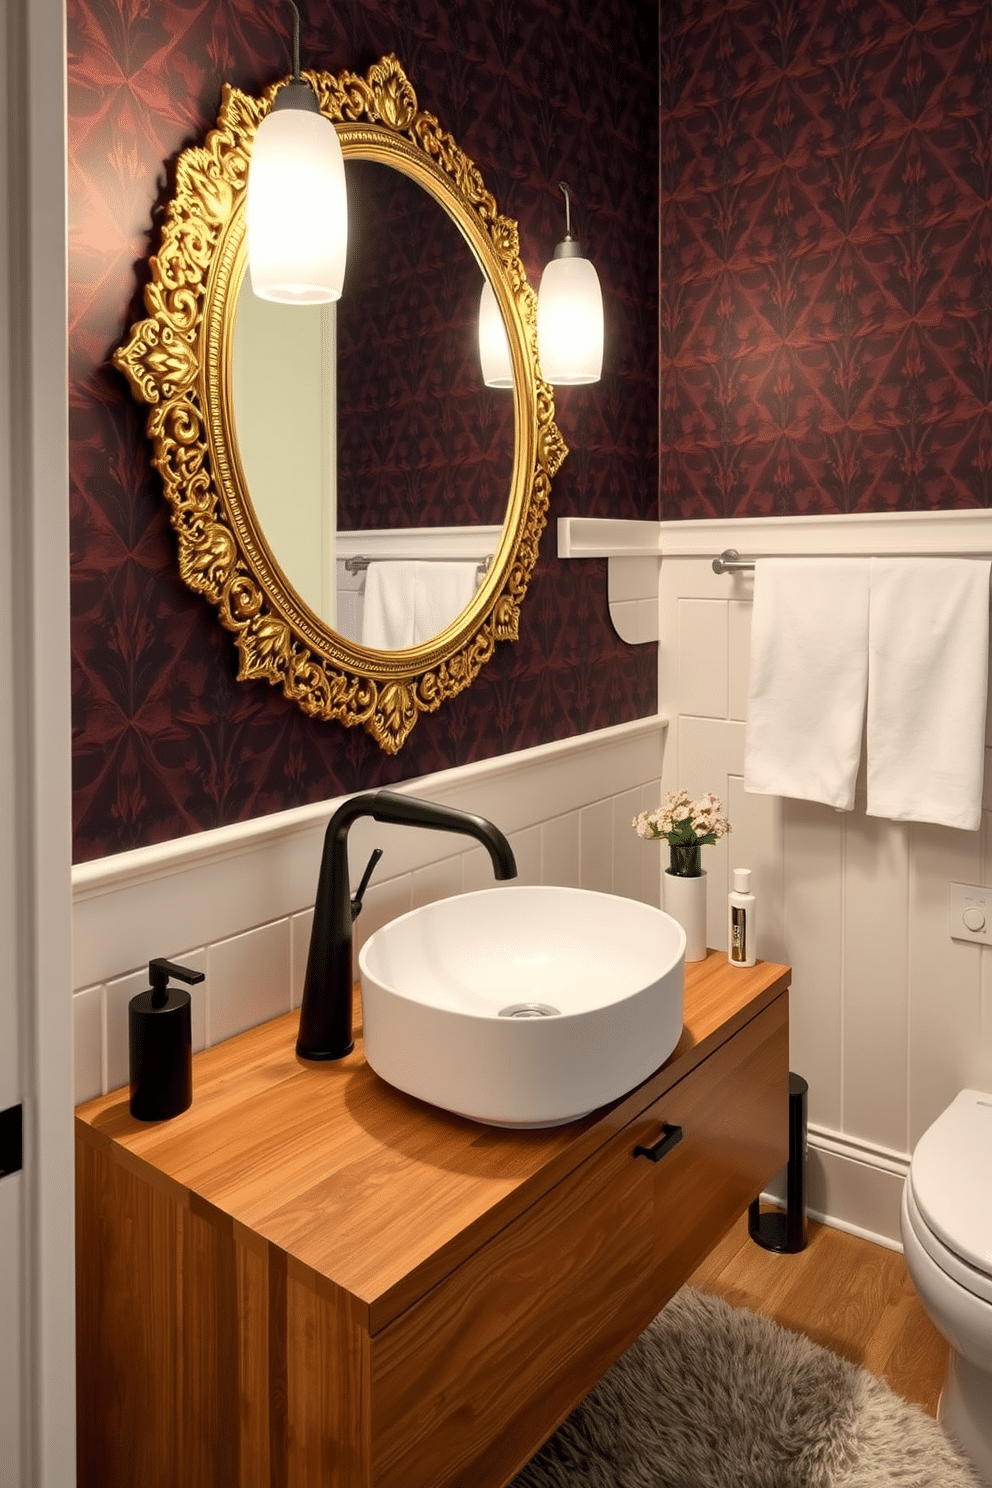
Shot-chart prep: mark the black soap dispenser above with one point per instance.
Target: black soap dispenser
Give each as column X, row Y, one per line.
column 160, row 1035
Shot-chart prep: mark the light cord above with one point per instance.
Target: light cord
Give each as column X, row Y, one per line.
column 563, row 187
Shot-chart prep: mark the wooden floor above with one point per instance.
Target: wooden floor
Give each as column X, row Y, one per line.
column 845, row 1293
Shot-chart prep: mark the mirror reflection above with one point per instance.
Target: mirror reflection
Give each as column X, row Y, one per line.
column 378, row 463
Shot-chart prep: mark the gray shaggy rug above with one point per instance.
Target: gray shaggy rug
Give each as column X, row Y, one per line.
column 712, row 1396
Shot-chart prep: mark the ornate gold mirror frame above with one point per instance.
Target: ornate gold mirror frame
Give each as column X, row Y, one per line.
column 178, row 361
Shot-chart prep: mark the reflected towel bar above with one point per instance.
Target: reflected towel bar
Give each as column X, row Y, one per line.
column 360, row 563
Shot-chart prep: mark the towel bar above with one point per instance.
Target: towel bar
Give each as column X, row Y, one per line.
column 359, row 563
column 730, row 561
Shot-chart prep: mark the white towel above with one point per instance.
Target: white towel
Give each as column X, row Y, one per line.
column 808, row 678
column 927, row 689
column 407, row 603
column 443, row 591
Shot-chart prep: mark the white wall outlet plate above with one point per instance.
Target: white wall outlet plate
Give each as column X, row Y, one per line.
column 969, row 913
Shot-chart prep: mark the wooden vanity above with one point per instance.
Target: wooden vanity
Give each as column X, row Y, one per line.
column 309, row 1278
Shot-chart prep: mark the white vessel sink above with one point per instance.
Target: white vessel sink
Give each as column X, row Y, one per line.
column 523, row 1006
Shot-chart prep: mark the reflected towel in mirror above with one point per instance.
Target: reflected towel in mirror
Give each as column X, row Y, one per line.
column 409, row 602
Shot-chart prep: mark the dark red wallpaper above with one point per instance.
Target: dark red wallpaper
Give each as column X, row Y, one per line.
column 166, row 742
column 422, row 442
column 826, row 256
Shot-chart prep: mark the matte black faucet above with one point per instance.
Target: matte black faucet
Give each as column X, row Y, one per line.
column 325, row 1016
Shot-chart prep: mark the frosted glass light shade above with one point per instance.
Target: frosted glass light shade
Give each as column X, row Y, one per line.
column 494, row 348
column 570, row 322
column 296, row 209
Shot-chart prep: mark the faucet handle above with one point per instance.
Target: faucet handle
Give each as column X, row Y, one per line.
column 359, row 894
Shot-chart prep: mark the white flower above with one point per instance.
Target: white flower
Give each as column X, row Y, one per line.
column 680, row 820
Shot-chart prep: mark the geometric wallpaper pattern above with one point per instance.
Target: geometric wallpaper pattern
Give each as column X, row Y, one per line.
column 826, row 257
column 165, row 740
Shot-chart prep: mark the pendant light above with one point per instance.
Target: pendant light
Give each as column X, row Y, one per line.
column 494, row 348
column 296, row 208
column 570, row 313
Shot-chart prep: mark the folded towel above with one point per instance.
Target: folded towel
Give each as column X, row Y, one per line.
column 407, row 603
column 927, row 685
column 808, row 678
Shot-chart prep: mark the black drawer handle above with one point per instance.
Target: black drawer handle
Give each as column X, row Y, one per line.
column 671, row 1136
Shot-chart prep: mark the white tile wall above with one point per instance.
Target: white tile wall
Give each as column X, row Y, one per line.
column 249, row 977
column 247, row 892
column 889, row 1016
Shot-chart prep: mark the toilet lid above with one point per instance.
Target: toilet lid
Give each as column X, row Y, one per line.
column 951, row 1177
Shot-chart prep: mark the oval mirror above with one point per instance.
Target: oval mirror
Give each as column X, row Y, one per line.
column 187, row 360
column 372, row 413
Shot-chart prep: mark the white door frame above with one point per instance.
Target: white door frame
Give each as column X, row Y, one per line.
column 35, row 788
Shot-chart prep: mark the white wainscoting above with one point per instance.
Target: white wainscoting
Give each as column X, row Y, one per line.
column 237, row 903
column 889, row 1016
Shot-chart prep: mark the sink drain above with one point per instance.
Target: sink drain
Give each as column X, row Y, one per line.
column 529, row 1010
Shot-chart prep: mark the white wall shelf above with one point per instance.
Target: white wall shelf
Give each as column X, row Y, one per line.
column 634, row 553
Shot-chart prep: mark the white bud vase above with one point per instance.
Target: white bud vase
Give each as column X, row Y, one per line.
column 685, row 901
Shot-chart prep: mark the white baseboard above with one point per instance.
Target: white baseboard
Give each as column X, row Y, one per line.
column 851, row 1185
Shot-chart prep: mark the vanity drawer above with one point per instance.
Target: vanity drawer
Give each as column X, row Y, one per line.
column 469, row 1381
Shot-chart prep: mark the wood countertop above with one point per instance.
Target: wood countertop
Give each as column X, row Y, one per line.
column 376, row 1192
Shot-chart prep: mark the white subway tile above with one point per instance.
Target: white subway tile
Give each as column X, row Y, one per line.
column 596, row 847
column 196, row 960
column 526, row 846
column 560, row 851
column 709, row 750
column 630, row 852
column 739, row 657
column 703, row 658
column 247, row 980
column 118, row 994
column 436, row 881
column 300, row 927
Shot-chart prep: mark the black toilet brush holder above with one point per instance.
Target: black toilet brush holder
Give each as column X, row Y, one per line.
column 785, row 1230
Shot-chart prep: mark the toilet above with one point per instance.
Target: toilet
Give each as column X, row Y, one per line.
column 947, row 1241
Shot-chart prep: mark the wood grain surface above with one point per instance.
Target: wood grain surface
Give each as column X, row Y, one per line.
column 374, row 1190
column 310, row 1278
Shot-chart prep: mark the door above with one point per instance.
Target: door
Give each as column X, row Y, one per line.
column 37, row 1427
